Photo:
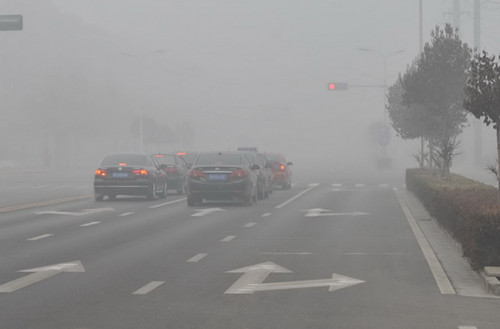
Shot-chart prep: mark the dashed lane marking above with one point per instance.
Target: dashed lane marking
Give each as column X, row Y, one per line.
column 43, row 236
column 90, row 224
column 167, row 203
column 267, row 214
column 337, row 185
column 148, row 288
column 311, row 186
column 228, row 238
column 248, row 225
column 126, row 214
column 196, row 258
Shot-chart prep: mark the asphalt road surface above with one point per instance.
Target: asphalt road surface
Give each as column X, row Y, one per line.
column 334, row 252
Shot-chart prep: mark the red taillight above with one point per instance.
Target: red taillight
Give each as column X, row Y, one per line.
column 282, row 167
column 101, row 172
column 195, row 173
column 123, row 164
column 240, row 173
column 141, row 172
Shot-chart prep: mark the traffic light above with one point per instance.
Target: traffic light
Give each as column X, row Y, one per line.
column 338, row 86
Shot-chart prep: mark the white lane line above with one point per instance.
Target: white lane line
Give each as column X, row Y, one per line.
column 337, row 185
column 39, row 186
column 126, row 214
column 43, row 236
column 196, row 258
column 148, row 288
column 248, row 225
column 228, row 238
column 311, row 186
column 360, row 185
column 267, row 214
column 356, row 253
column 286, row 253
column 167, row 203
column 384, row 185
column 437, row 270
column 90, row 224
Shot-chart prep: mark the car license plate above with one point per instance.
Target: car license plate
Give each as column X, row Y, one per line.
column 120, row 175
column 217, row 177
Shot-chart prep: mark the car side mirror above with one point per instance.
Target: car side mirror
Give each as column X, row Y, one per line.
column 255, row 167
column 289, row 163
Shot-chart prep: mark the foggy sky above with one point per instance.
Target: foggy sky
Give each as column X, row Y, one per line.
column 238, row 72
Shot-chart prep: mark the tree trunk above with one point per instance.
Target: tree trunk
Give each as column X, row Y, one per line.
column 422, row 159
column 498, row 157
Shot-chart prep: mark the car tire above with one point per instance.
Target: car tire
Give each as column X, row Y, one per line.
column 98, row 197
column 163, row 193
column 152, row 192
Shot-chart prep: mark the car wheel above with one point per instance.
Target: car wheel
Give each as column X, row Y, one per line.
column 152, row 192
column 163, row 193
column 98, row 196
column 192, row 201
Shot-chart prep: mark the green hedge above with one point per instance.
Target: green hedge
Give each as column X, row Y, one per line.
column 469, row 210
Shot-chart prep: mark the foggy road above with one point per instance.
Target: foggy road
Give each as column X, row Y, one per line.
column 328, row 253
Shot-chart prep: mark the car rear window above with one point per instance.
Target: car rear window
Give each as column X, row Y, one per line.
column 275, row 157
column 219, row 159
column 165, row 159
column 129, row 159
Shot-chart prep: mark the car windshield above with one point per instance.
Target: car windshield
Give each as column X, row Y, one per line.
column 128, row 159
column 219, row 159
column 165, row 159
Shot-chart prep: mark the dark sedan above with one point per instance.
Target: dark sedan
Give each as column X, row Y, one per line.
column 222, row 176
column 176, row 169
column 129, row 174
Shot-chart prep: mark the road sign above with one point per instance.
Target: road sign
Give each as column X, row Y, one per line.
column 40, row 273
column 253, row 276
column 11, row 22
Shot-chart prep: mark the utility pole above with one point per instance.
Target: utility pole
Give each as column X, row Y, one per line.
column 477, row 46
column 421, row 49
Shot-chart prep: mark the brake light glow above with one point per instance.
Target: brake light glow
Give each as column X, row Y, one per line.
column 141, row 172
column 123, row 164
column 101, row 172
column 172, row 170
column 239, row 173
column 181, row 153
column 282, row 167
column 159, row 156
column 195, row 173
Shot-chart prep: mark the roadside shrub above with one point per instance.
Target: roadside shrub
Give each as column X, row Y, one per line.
column 469, row 210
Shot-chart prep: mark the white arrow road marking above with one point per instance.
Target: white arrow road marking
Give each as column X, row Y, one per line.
column 317, row 212
column 40, row 273
column 203, row 212
column 253, row 276
column 43, row 236
column 68, row 213
column 311, row 186
column 148, row 288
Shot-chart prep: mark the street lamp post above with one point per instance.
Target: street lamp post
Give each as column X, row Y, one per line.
column 139, row 59
column 384, row 56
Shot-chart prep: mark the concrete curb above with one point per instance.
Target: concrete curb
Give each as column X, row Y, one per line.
column 491, row 282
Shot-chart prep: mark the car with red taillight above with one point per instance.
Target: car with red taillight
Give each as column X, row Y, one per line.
column 222, row 176
column 281, row 170
column 129, row 174
column 176, row 170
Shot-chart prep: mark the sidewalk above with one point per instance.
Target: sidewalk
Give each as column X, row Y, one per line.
column 465, row 281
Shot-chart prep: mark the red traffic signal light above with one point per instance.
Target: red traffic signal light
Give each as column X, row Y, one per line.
column 338, row 86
